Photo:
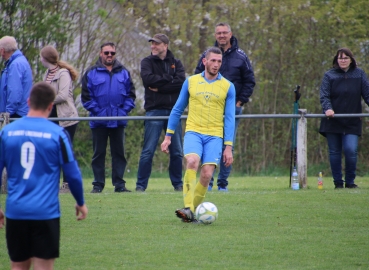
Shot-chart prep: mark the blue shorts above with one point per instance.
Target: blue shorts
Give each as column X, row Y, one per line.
column 208, row 148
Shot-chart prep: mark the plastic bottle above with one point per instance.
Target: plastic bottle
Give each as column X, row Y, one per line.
column 295, row 180
column 320, row 181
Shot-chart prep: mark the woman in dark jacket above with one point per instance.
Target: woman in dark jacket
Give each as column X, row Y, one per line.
column 340, row 92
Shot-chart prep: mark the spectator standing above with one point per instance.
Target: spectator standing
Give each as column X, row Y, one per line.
column 16, row 79
column 61, row 76
column 236, row 67
column 162, row 76
column 32, row 149
column 108, row 90
column 209, row 96
column 341, row 91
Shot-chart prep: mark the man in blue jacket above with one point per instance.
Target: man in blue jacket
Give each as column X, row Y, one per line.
column 108, row 90
column 16, row 79
column 236, row 67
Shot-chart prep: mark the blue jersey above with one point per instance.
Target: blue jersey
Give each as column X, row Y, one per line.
column 33, row 150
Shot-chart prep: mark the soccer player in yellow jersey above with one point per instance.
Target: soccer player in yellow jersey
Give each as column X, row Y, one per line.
column 211, row 116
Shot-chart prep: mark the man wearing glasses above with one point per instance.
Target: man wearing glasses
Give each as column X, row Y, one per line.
column 236, row 68
column 108, row 90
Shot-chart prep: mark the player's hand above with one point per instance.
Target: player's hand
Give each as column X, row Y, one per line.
column 153, row 89
column 81, row 212
column 165, row 144
column 228, row 156
column 2, row 217
column 329, row 113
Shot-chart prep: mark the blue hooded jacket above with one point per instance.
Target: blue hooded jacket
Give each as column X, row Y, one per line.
column 15, row 86
column 107, row 93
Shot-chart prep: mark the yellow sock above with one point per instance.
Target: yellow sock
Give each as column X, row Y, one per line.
column 200, row 192
column 189, row 188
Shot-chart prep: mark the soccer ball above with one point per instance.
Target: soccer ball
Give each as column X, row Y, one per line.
column 206, row 213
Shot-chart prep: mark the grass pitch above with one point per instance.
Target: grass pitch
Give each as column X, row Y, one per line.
column 262, row 224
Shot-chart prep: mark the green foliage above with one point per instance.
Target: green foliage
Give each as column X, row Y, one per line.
column 289, row 43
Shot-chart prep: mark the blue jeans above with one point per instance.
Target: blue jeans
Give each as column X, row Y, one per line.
column 118, row 161
column 153, row 130
column 348, row 143
column 223, row 170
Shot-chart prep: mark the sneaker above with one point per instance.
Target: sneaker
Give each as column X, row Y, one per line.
column 180, row 188
column 210, row 188
column 185, row 214
column 96, row 190
column 351, row 186
column 338, row 186
column 64, row 188
column 121, row 189
column 223, row 189
column 139, row 189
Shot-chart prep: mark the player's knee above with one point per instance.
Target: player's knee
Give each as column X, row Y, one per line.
column 192, row 162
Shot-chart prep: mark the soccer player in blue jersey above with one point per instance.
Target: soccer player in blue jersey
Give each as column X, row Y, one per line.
column 32, row 149
column 211, row 116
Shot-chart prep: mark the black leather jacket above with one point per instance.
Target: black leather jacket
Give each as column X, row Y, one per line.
column 167, row 76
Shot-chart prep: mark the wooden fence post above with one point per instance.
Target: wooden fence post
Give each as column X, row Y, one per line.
column 302, row 148
column 4, row 182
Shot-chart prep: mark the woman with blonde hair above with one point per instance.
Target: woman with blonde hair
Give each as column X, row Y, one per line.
column 61, row 76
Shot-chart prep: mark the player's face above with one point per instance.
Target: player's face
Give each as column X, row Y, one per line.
column 107, row 55
column 212, row 63
column 223, row 36
column 159, row 49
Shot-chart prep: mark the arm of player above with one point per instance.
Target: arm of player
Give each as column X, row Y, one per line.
column 74, row 178
column 175, row 116
column 229, row 116
column 227, row 156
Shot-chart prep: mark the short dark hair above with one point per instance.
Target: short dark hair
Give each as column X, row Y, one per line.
column 42, row 94
column 215, row 50
column 111, row 44
column 349, row 53
column 223, row 24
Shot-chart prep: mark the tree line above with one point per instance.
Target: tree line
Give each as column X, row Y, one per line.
column 289, row 42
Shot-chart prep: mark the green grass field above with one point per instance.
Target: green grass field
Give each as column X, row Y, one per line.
column 262, row 224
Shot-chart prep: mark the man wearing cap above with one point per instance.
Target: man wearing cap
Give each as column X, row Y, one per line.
column 162, row 76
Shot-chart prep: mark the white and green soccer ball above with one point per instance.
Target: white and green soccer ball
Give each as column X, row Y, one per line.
column 206, row 213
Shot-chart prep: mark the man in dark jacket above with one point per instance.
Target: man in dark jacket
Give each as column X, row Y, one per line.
column 107, row 90
column 162, row 76
column 236, row 68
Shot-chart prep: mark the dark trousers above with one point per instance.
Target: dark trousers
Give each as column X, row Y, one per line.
column 118, row 161
column 71, row 131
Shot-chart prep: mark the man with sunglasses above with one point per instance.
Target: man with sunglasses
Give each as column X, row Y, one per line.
column 108, row 90
column 236, row 67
